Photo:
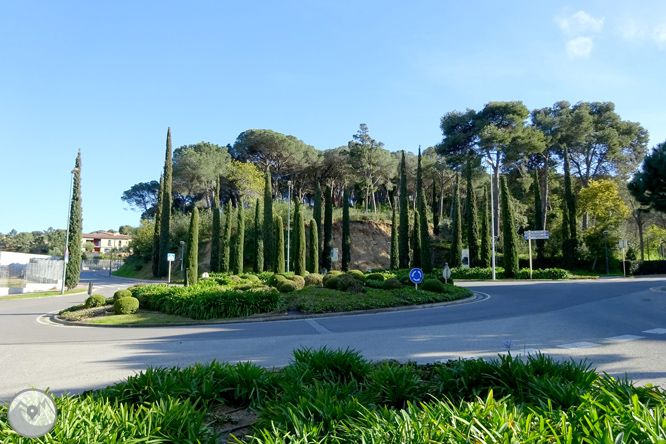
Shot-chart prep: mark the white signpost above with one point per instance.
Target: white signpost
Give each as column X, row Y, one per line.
column 334, row 254
column 170, row 258
column 534, row 234
column 623, row 245
column 464, row 260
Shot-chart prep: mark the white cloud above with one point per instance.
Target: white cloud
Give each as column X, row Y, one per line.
column 631, row 29
column 580, row 23
column 659, row 36
column 579, row 47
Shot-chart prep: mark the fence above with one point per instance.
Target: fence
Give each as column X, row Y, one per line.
column 101, row 264
column 43, row 272
column 38, row 274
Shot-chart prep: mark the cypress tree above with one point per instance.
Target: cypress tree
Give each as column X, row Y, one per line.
column 317, row 215
column 419, row 178
column 471, row 220
column 269, row 241
column 570, row 247
column 538, row 220
column 73, row 267
column 395, row 251
column 456, row 243
column 295, row 236
column 240, row 240
column 192, row 258
column 346, row 233
column 299, row 265
column 509, row 234
column 156, row 234
column 165, row 217
column 416, row 241
column 217, row 230
column 486, row 258
column 225, row 259
column 403, row 228
column 566, row 238
column 279, row 245
column 313, row 252
column 328, row 228
column 258, row 238
column 425, row 250
column 435, row 208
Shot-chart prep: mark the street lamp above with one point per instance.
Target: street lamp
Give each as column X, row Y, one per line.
column 182, row 255
column 69, row 214
column 606, row 246
column 288, row 218
column 492, row 219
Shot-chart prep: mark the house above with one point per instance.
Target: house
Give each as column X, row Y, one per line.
column 104, row 242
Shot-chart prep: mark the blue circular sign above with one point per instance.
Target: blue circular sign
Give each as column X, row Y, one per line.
column 416, row 275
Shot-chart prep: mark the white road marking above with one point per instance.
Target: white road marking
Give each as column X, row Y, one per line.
column 625, row 338
column 656, row 331
column 579, row 345
column 317, row 326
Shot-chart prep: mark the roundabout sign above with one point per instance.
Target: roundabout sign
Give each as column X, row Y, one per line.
column 416, row 276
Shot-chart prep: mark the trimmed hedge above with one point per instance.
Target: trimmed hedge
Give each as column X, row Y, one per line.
column 287, row 287
column 638, row 268
column 121, row 294
column 375, row 277
column 391, row 284
column 313, row 279
column 357, row 274
column 126, row 305
column 96, row 300
column 432, row 285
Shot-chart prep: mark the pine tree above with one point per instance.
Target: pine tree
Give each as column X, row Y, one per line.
column 73, row 270
column 571, row 246
column 511, row 268
column 313, row 252
column 395, row 251
column 346, row 233
column 269, row 241
column 456, row 244
column 300, row 252
column 192, row 258
column 538, row 220
column 240, row 240
column 317, row 215
column 225, row 259
column 165, row 216
column 416, row 241
column 258, row 238
column 328, row 228
column 435, row 207
column 217, row 231
column 279, row 245
column 485, row 259
column 471, row 219
column 156, row 235
column 403, row 228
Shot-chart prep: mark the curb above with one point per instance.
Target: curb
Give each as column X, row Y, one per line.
column 476, row 297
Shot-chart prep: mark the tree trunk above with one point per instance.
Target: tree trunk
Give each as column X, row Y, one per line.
column 367, row 191
column 585, row 220
column 639, row 222
column 496, row 198
column 374, row 203
column 544, row 198
column 441, row 202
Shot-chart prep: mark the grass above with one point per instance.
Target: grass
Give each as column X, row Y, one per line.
column 42, row 295
column 142, row 318
column 144, row 271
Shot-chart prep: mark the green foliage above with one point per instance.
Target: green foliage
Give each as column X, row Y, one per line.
column 217, row 230
column 394, row 385
column 73, row 267
column 278, row 262
column 391, row 284
column 328, row 228
column 192, row 254
column 225, row 259
column 156, row 230
column 375, row 277
column 299, row 263
column 315, row 279
column 403, row 234
column 299, row 281
column 357, row 274
column 126, row 305
column 508, row 233
column 538, row 217
column 395, row 248
column 647, row 185
column 332, row 282
column 313, row 248
column 258, row 238
column 416, row 241
column 548, row 273
column 240, row 241
column 455, row 257
column 317, row 216
column 287, row 286
column 96, row 300
column 433, row 285
column 121, row 294
column 165, row 212
column 331, row 365
column 471, row 220
column 346, row 232
column 349, row 284
column 570, row 243
column 485, row 255
column 269, row 233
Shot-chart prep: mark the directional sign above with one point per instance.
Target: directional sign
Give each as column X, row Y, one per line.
column 623, row 243
column 416, row 275
column 536, row 234
column 171, row 257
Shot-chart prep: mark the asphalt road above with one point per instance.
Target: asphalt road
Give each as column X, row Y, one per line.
column 618, row 325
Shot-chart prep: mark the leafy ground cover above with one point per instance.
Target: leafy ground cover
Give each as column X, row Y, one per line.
column 337, row 396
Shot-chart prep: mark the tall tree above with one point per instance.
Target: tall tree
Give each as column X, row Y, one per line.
column 75, row 226
column 217, row 230
column 538, row 219
column 317, row 214
column 165, row 216
column 471, row 219
column 509, row 234
column 225, row 259
column 456, row 243
column 648, row 185
column 435, row 208
column 279, row 245
column 240, row 240
column 328, row 228
column 156, row 233
column 295, row 235
column 192, row 257
column 425, row 249
column 143, row 196
column 258, row 238
column 196, row 169
column 485, row 259
column 346, row 232
column 269, row 241
column 416, row 240
column 313, row 252
column 571, row 245
column 395, row 251
column 300, row 252
column 403, row 235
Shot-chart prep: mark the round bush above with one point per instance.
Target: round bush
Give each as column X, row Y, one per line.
column 313, row 279
column 405, row 280
column 373, row 283
column 331, row 275
column 345, row 280
column 355, row 286
column 331, row 282
column 299, row 281
column 375, row 277
column 121, row 294
column 276, row 280
column 287, row 287
column 432, row 285
column 357, row 274
column 96, row 300
column 234, row 278
column 128, row 305
column 391, row 284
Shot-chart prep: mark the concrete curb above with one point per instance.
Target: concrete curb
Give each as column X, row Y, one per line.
column 476, row 297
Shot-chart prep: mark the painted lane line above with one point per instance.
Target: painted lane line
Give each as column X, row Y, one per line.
column 656, row 331
column 625, row 338
column 579, row 345
column 317, row 326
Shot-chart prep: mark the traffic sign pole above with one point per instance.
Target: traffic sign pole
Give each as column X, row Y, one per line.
column 529, row 243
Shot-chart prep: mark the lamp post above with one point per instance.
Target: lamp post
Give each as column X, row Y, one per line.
column 606, row 247
column 69, row 213
column 492, row 219
column 288, row 218
column 182, row 255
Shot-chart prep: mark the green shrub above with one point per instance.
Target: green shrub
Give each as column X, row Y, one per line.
column 548, row 273
column 355, row 286
column 315, row 279
column 331, row 275
column 332, row 365
column 287, row 286
column 391, row 284
column 331, row 282
column 448, row 281
column 96, row 300
column 110, row 301
column 395, row 385
column 345, row 280
column 357, row 274
column 299, row 281
column 374, row 283
column 127, row 305
column 375, row 277
column 121, row 294
column 432, row 285
column 277, row 280
column 404, row 279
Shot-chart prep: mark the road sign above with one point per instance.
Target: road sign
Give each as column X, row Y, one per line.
column 536, row 234
column 465, row 258
column 416, row 275
column 446, row 273
column 171, row 257
column 623, row 243
column 334, row 255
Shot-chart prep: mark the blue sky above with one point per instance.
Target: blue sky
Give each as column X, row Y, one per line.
column 109, row 79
